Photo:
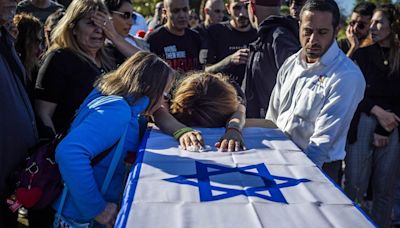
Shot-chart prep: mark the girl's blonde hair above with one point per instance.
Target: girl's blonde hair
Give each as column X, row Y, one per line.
column 143, row 74
column 62, row 36
column 205, row 100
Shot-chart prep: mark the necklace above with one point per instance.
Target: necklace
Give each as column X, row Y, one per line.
column 385, row 60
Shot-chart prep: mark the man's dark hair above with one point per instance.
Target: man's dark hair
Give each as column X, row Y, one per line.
column 364, row 8
column 114, row 5
column 324, row 6
column 297, row 2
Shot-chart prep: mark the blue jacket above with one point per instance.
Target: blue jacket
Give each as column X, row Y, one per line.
column 100, row 122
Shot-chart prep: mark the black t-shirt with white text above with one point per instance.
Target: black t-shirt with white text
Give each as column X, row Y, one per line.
column 224, row 40
column 180, row 52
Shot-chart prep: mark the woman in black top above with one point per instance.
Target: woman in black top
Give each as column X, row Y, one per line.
column 123, row 16
column 373, row 147
column 29, row 45
column 74, row 60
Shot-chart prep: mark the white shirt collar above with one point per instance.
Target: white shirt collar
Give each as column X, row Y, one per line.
column 329, row 56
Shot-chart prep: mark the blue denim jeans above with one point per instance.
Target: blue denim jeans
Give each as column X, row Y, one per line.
column 396, row 207
column 363, row 160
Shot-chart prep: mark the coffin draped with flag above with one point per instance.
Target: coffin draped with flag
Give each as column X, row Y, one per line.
column 272, row 184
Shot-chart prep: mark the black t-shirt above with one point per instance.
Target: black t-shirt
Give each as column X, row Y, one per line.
column 41, row 13
column 119, row 58
column 180, row 52
column 202, row 30
column 65, row 79
column 224, row 40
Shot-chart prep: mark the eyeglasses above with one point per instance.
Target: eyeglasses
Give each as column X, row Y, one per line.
column 167, row 96
column 125, row 15
column 360, row 24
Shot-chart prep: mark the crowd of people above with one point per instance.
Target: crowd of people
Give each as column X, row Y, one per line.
column 91, row 68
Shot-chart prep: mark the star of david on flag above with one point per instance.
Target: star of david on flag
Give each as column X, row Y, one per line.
column 206, row 188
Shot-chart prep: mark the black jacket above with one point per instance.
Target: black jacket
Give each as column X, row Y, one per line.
column 278, row 38
column 17, row 121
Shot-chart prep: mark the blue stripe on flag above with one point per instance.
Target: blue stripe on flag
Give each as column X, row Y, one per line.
column 355, row 205
column 133, row 179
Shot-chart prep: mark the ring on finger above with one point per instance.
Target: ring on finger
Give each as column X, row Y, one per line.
column 105, row 23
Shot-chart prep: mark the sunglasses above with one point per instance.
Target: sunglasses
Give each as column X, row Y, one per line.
column 125, row 15
column 360, row 24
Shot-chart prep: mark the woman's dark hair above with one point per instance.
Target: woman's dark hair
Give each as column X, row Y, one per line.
column 143, row 74
column 364, row 8
column 324, row 6
column 28, row 29
column 114, row 5
column 51, row 22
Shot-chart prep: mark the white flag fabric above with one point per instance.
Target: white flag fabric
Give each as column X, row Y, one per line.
column 272, row 184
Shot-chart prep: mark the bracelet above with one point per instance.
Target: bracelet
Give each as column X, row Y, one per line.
column 177, row 134
column 233, row 125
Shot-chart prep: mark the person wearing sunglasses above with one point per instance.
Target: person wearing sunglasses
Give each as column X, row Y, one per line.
column 373, row 143
column 358, row 29
column 122, row 15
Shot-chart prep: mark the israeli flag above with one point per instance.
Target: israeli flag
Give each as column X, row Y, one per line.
column 272, row 184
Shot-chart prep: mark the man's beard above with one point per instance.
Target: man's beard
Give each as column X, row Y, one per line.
column 362, row 37
column 242, row 22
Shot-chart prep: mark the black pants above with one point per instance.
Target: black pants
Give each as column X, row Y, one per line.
column 334, row 170
column 41, row 218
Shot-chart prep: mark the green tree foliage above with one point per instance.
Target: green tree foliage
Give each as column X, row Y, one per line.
column 145, row 7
